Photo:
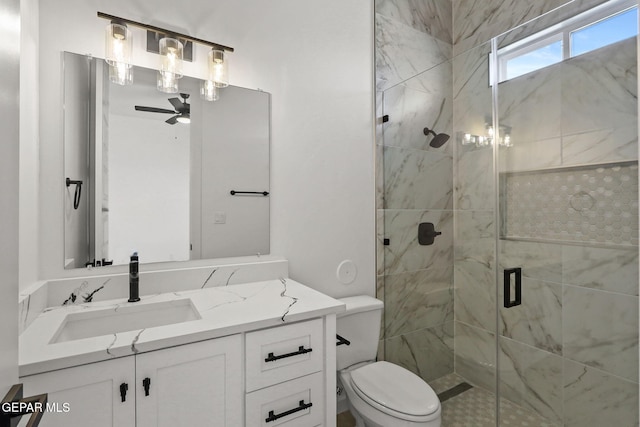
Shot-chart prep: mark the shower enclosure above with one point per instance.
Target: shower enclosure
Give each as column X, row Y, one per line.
column 530, row 293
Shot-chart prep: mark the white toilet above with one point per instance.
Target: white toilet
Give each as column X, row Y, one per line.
column 380, row 394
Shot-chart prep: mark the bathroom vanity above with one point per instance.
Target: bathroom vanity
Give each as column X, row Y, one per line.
column 254, row 354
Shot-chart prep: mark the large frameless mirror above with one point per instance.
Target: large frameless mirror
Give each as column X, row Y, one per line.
column 169, row 175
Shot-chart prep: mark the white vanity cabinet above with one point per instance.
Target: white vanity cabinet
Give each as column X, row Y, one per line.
column 92, row 393
column 260, row 354
column 196, row 384
column 188, row 385
column 285, row 375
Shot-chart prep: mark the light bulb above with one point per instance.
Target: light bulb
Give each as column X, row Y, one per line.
column 185, row 119
column 218, row 68
column 118, row 44
column 171, row 51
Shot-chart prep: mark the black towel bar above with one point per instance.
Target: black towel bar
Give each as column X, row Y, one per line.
column 234, row 192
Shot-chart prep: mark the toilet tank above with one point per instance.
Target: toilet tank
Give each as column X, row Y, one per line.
column 360, row 325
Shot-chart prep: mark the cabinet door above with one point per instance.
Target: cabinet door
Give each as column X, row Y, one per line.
column 196, row 384
column 87, row 395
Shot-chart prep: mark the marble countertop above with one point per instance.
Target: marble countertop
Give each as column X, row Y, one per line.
column 224, row 310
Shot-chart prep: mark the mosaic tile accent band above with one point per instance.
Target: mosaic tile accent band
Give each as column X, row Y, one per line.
column 595, row 204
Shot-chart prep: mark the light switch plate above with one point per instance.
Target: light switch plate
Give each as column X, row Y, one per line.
column 219, row 217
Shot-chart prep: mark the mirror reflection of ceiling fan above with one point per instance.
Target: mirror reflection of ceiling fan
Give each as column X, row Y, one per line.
column 182, row 110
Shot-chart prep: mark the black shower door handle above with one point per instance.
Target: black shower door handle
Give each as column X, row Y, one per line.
column 508, row 272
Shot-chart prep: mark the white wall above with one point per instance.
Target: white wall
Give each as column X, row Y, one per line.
column 315, row 58
column 9, row 179
column 29, row 163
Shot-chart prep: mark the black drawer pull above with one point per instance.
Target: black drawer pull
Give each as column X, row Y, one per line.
column 301, row 407
column 301, row 350
column 508, row 303
column 342, row 341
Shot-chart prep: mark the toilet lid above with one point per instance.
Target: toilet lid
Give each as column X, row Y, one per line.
column 395, row 388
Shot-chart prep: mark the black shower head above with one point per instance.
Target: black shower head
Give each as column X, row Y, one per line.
column 438, row 138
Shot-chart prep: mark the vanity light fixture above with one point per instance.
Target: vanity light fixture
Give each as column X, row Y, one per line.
column 172, row 47
column 118, row 48
column 489, row 137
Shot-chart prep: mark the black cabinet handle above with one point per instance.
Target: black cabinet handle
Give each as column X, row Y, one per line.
column 342, row 341
column 146, row 383
column 508, row 303
column 301, row 407
column 301, row 350
column 123, row 391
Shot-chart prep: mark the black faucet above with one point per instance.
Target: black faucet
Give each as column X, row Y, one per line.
column 134, row 279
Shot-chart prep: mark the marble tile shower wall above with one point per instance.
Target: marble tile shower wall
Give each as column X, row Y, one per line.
column 570, row 351
column 415, row 183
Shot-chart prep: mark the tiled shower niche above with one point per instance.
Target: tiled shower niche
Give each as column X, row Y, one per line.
column 594, row 204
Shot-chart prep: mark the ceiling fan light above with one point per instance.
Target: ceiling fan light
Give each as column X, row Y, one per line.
column 171, row 54
column 218, row 68
column 184, row 118
column 118, row 44
column 167, row 83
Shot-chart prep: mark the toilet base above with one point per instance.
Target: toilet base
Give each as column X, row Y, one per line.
column 367, row 416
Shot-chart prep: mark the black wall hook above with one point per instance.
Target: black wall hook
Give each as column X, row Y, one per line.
column 77, row 194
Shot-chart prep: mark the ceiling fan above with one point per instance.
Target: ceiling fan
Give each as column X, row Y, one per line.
column 182, row 110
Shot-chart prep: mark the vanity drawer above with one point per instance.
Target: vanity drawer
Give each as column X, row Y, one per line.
column 283, row 353
column 298, row 403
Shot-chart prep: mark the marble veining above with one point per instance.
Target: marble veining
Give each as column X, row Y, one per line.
column 88, row 296
column 610, row 73
column 475, row 356
column 418, row 300
column 416, row 179
column 600, row 329
column 432, row 17
column 283, row 294
column 613, row 270
column 531, row 378
column 426, row 352
column 208, row 278
column 531, row 105
column 223, row 311
column 411, row 109
column 477, row 21
column 538, row 321
column 233, row 271
column 600, row 146
column 595, row 398
column 403, row 52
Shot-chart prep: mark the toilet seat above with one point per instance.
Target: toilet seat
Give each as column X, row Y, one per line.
column 395, row 391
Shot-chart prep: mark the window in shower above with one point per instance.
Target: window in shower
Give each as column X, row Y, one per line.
column 588, row 31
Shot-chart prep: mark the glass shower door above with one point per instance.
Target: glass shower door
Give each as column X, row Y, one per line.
column 565, row 142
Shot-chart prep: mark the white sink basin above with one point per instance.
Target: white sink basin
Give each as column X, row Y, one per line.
column 94, row 323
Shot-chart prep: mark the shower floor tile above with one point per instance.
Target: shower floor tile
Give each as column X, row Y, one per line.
column 476, row 408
